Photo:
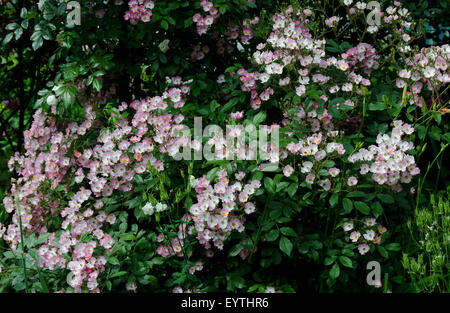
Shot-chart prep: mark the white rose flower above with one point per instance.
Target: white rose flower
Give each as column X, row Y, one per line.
column 51, row 100
column 164, row 46
column 148, row 208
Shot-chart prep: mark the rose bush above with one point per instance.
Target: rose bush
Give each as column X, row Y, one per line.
column 101, row 200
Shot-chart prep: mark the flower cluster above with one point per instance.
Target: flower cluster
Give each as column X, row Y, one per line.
column 204, row 23
column 395, row 16
column 290, row 46
column 246, row 33
column 363, row 56
column 226, row 148
column 70, row 171
column 315, row 148
column 172, row 243
column 199, row 52
column 149, row 208
column 237, row 115
column 139, row 10
column 388, row 161
column 369, row 233
column 222, row 46
column 296, row 60
column 54, row 163
column 430, row 67
column 43, row 168
column 332, row 21
column 220, row 207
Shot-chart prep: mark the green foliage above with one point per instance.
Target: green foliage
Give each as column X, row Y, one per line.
column 427, row 262
column 295, row 241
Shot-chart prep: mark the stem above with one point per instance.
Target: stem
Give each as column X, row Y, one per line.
column 21, row 87
column 23, row 254
column 364, row 115
column 258, row 234
column 439, row 173
column 422, row 181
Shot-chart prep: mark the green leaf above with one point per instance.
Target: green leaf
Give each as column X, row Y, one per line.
column 113, row 260
column 97, row 84
column 347, row 205
column 272, row 235
column 270, row 168
column 99, row 73
column 286, row 245
column 42, row 238
column 212, row 173
column 329, row 260
column 335, row 271
column 18, row 33
column 334, row 112
column 317, row 244
column 128, row 237
column 292, row 189
column 164, row 24
column 235, row 250
column 333, row 43
column 275, row 214
column 49, row 11
column 385, row 198
column 383, row 252
column 61, row 9
column 173, row 5
column 437, row 117
column 393, row 246
column 43, row 281
column 268, row 185
column 24, row 24
column 257, row 175
column 37, row 43
column 250, row 4
column 435, row 133
column 421, row 131
column 288, row 231
column 380, row 106
column 121, row 273
column 230, row 104
column 377, row 209
column 356, row 194
column 36, row 35
column 23, row 13
column 133, row 202
column 8, row 38
column 334, row 199
column 68, row 94
column 346, row 261
column 362, row 207
column 48, row 15
column 148, row 279
column 282, row 185
column 259, row 118
column 11, row 26
column 157, row 260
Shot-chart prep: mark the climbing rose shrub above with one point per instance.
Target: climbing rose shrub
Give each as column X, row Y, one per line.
column 101, row 203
